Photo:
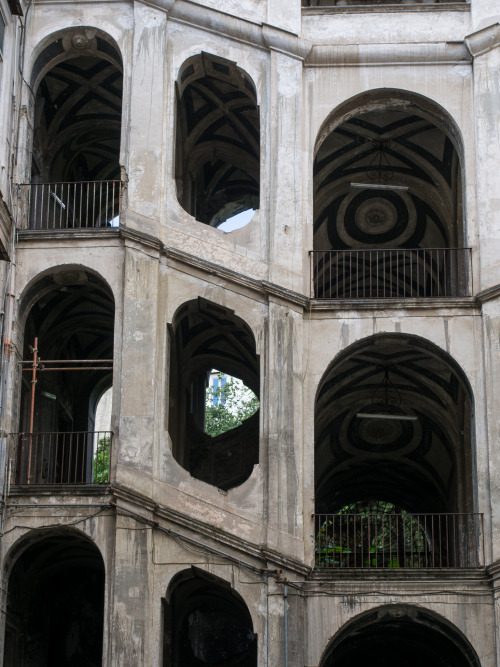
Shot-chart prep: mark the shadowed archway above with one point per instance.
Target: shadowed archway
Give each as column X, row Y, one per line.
column 396, row 635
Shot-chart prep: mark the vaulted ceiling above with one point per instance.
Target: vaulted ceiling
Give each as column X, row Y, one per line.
column 78, row 120
column 387, row 178
column 418, row 463
column 218, row 140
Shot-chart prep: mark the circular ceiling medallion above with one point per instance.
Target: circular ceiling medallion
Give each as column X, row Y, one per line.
column 79, row 41
column 378, row 434
column 376, row 216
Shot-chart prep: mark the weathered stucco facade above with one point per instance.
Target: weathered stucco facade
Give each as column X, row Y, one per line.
column 367, row 138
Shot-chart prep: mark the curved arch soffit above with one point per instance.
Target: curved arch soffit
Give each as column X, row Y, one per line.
column 392, row 99
column 241, row 351
column 54, row 278
column 426, row 618
column 420, row 342
column 72, row 42
column 36, row 536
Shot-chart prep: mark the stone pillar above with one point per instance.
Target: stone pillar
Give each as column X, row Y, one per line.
column 285, row 181
column 284, row 401
column 132, row 604
column 138, row 423
column 485, row 48
column 146, row 119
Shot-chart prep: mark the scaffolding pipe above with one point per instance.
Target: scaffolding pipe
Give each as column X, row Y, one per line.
column 32, row 409
column 285, row 605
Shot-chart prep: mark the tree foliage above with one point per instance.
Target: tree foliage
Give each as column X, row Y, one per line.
column 101, row 461
column 228, row 405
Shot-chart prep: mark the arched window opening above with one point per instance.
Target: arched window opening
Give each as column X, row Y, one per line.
column 214, row 433
column 393, row 459
column 218, row 140
column 206, row 623
column 388, row 212
column 55, row 604
column 68, row 352
column 400, row 634
column 76, row 138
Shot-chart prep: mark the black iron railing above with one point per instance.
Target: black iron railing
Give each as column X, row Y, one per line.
column 78, row 457
column 391, row 273
column 82, row 205
column 398, row 540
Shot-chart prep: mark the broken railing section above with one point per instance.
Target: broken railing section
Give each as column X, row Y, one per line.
column 82, row 205
column 398, row 540
column 79, row 457
column 399, row 273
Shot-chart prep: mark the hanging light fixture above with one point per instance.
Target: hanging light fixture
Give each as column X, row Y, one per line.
column 387, row 397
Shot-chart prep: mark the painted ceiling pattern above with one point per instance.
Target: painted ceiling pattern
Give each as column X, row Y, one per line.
column 219, row 131
column 79, row 119
column 410, row 462
column 385, row 179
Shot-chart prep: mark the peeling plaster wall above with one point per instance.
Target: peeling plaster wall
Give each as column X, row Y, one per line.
column 161, row 521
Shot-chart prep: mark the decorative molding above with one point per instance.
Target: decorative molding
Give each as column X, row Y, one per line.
column 317, row 305
column 484, row 40
column 488, row 294
column 220, row 537
column 354, row 55
column 388, row 8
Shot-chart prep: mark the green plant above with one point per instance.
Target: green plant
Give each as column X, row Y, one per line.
column 101, row 461
column 228, row 405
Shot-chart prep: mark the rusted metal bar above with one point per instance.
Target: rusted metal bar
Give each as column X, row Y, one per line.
column 78, row 457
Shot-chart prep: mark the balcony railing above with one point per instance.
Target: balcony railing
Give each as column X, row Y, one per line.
column 83, row 205
column 399, row 273
column 399, row 540
column 78, row 457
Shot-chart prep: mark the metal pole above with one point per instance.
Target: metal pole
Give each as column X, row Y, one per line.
column 32, row 409
column 285, row 604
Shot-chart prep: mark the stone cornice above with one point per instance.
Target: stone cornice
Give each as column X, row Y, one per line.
column 266, row 289
column 489, row 294
column 484, row 40
column 235, row 277
column 466, row 303
column 258, row 34
column 388, row 8
column 160, row 516
column 352, row 55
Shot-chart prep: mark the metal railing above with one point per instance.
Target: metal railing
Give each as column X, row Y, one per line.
column 398, row 540
column 78, row 457
column 398, row 273
column 82, row 205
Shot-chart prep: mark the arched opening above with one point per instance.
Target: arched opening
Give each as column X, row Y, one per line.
column 67, row 365
column 55, row 602
column 218, row 140
column 205, row 337
column 206, row 623
column 396, row 635
column 388, row 209
column 393, row 458
column 75, row 180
